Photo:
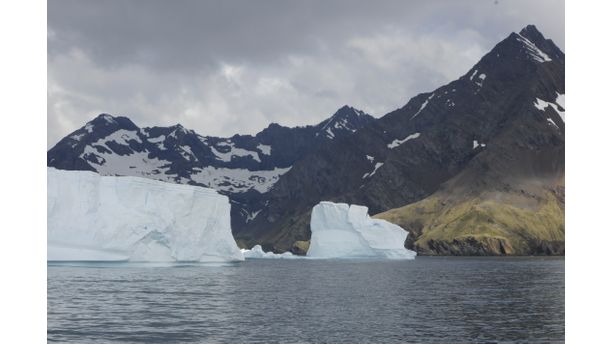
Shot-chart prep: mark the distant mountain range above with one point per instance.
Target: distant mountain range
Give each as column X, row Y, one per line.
column 474, row 167
column 243, row 167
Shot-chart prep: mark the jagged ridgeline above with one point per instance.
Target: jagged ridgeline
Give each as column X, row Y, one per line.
column 474, row 167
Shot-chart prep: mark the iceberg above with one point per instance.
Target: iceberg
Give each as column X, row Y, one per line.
column 108, row 218
column 257, row 252
column 343, row 231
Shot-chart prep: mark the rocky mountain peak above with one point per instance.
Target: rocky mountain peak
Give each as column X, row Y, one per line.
column 109, row 121
column 532, row 33
column 345, row 119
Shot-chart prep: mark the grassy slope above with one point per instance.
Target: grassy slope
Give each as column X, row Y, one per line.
column 511, row 222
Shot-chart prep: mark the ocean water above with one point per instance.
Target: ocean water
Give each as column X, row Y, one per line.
column 428, row 300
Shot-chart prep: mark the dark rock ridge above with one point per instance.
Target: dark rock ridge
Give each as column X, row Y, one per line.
column 475, row 167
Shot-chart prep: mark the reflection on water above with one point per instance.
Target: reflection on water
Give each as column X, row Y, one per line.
column 306, row 301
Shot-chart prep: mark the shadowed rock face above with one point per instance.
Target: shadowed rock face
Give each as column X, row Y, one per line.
column 496, row 132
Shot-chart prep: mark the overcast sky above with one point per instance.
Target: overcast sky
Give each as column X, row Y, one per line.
column 226, row 67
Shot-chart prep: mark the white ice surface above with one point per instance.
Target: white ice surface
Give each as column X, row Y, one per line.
column 343, row 231
column 256, row 252
column 93, row 217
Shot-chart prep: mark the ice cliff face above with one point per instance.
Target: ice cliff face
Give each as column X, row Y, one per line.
column 93, row 217
column 343, row 231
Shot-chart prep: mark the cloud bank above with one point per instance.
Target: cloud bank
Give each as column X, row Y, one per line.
column 227, row 67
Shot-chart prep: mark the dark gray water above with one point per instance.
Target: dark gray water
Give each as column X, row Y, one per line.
column 441, row 300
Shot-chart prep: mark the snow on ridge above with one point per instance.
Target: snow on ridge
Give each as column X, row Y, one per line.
column 234, row 151
column 121, row 137
column 376, row 167
column 533, row 51
column 370, row 158
column 264, row 149
column 542, row 105
column 236, row 180
column 89, row 127
column 423, row 105
column 398, row 142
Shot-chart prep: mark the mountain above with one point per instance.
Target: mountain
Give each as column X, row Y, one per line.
column 243, row 167
column 475, row 166
column 496, row 131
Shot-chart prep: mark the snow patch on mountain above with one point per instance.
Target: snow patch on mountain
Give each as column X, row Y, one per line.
column 264, row 149
column 376, row 167
column 78, row 137
column 108, row 118
column 476, row 144
column 159, row 141
column 473, row 74
column 423, row 105
column 237, row 180
column 234, row 151
column 134, row 164
column 250, row 216
column 397, row 142
column 561, row 102
column 560, row 109
column 550, row 121
column 187, row 153
column 121, row 136
column 481, row 79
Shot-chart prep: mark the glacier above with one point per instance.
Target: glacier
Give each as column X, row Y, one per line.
column 340, row 230
column 107, row 218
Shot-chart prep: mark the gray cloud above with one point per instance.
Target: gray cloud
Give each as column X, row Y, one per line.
column 226, row 67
